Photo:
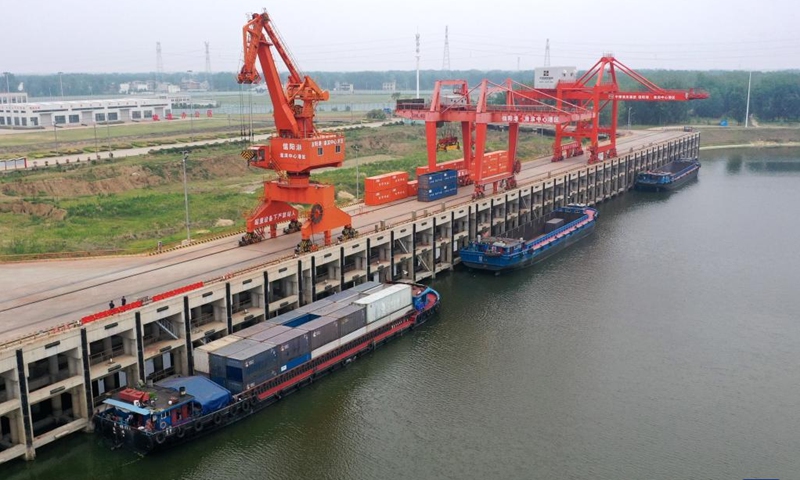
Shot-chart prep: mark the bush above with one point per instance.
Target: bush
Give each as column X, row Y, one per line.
column 376, row 114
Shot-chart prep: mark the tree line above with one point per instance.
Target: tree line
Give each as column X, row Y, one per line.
column 775, row 96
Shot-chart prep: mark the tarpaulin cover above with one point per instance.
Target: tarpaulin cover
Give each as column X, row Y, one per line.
column 208, row 394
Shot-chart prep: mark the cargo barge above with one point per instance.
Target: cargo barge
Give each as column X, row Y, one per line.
column 668, row 177
column 546, row 237
column 253, row 368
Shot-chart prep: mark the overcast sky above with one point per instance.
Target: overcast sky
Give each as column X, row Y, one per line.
column 112, row 36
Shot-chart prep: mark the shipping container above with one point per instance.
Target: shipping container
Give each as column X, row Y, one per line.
column 412, row 188
column 313, row 306
column 385, row 196
column 251, row 366
column 387, row 301
column 330, row 309
column 344, row 297
column 250, row 331
column 351, row 318
column 321, row 331
column 438, row 192
column 218, row 360
column 297, row 361
column 201, row 353
column 285, row 317
column 291, row 345
column 272, row 332
column 387, row 320
column 433, row 179
column 363, row 286
column 553, row 224
column 385, row 182
column 352, row 336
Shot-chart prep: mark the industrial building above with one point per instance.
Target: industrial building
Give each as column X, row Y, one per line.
column 17, row 112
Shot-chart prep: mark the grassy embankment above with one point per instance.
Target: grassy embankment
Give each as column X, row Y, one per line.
column 131, row 204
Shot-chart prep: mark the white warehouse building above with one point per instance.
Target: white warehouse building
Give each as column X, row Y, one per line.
column 17, row 112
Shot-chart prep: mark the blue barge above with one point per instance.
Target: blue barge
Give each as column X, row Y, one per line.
column 545, row 237
column 669, row 177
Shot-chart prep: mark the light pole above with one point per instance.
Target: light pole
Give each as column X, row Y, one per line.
column 629, row 118
column 186, row 196
column 191, row 112
column 55, row 134
column 62, row 84
column 96, row 155
column 358, row 178
column 8, row 89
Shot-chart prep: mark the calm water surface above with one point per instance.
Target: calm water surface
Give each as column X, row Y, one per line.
column 663, row 347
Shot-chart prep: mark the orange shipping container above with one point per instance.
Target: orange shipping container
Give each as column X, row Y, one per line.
column 412, row 188
column 385, row 196
column 385, row 181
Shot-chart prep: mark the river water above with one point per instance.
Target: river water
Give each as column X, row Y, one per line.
column 662, row 347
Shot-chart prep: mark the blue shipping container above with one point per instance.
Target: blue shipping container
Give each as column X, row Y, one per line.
column 433, row 179
column 296, row 362
column 436, row 193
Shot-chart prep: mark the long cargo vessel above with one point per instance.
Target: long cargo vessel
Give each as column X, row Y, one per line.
column 250, row 369
column 668, row 177
column 545, row 237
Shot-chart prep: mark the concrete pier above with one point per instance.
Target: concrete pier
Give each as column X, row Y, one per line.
column 55, row 370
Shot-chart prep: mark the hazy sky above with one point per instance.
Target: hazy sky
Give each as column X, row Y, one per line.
column 113, row 36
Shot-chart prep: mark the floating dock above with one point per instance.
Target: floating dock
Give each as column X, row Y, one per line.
column 62, row 352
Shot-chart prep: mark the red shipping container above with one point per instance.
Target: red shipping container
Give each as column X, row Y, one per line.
column 422, row 170
column 385, row 196
column 411, row 188
column 385, row 181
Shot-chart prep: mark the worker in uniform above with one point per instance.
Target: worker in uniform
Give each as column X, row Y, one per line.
column 111, row 305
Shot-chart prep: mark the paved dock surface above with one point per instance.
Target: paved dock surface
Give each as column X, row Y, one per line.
column 40, row 295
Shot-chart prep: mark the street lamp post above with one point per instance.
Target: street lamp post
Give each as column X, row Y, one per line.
column 186, row 196
column 191, row 112
column 55, row 134
column 358, row 178
column 96, row 154
column 8, row 89
column 629, row 118
column 62, row 84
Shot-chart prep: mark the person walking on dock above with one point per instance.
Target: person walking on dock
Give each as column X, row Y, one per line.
column 111, row 305
column 123, row 301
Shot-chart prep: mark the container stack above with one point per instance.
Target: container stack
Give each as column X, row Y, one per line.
column 494, row 163
column 256, row 354
column 385, row 188
column 437, row 185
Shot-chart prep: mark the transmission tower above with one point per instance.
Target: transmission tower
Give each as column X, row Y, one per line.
column 547, row 53
column 446, row 59
column 417, row 65
column 159, row 64
column 208, row 67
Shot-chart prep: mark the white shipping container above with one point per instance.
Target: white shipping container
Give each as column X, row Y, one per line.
column 387, row 301
column 386, row 320
column 548, row 77
column 325, row 348
column 352, row 336
column 201, row 353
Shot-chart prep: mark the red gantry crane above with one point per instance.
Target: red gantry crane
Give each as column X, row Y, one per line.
column 573, row 108
column 522, row 105
column 295, row 150
column 594, row 90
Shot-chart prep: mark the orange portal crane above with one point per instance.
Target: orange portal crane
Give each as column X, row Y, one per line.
column 296, row 149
